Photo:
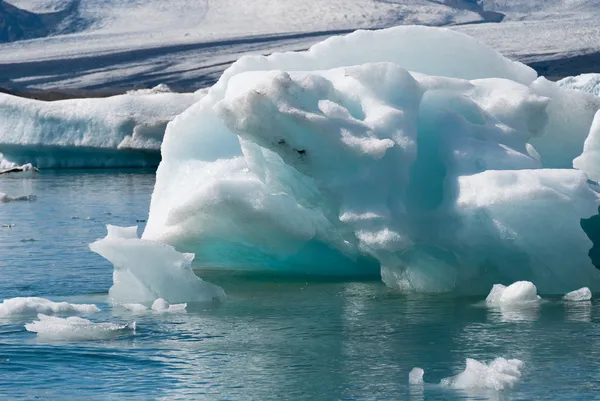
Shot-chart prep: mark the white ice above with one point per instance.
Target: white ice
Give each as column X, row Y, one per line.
column 589, row 83
column 33, row 305
column 582, row 294
column 145, row 270
column 500, row 374
column 124, row 130
column 77, row 329
column 160, row 305
column 135, row 308
column 521, row 292
column 415, row 377
column 412, row 152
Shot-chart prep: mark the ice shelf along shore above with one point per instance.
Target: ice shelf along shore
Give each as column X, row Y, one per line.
column 413, row 153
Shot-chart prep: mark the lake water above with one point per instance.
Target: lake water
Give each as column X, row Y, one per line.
column 273, row 339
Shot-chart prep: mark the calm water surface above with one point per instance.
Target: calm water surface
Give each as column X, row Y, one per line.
column 274, row 338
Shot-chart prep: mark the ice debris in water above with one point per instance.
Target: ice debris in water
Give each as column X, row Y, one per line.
column 384, row 152
column 146, row 270
column 135, row 308
column 160, row 305
column 26, row 198
column 497, row 375
column 33, row 305
column 500, row 374
column 76, row 328
column 415, row 377
column 582, row 294
column 521, row 292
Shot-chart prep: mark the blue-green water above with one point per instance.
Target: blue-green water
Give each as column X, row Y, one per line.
column 273, row 339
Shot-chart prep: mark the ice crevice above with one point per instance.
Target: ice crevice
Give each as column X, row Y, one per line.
column 413, row 153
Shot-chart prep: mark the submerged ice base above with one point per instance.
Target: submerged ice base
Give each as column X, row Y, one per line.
column 145, row 271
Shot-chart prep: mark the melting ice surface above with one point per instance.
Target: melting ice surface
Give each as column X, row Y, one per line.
column 148, row 271
column 77, row 328
column 415, row 154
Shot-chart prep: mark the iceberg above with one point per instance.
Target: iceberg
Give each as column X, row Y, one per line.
column 118, row 131
column 146, row 271
column 408, row 153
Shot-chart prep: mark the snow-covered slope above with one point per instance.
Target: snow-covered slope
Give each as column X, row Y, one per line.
column 188, row 43
column 175, row 38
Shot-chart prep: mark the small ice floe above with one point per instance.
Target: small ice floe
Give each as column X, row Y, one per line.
column 25, row 198
column 521, row 292
column 580, row 295
column 160, row 305
column 135, row 308
column 500, row 374
column 517, row 302
column 76, row 328
column 24, row 171
column 33, row 305
column 415, row 377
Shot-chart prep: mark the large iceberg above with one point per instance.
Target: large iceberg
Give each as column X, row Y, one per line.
column 119, row 131
column 415, row 153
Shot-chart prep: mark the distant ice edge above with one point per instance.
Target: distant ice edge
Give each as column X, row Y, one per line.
column 382, row 150
column 117, row 131
column 150, row 272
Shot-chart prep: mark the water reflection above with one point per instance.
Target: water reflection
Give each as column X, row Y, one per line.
column 515, row 313
column 579, row 311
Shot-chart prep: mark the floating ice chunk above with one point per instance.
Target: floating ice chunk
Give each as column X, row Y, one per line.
column 14, row 171
column 33, row 305
column 25, row 198
column 146, row 270
column 135, row 308
column 76, row 328
column 516, row 293
column 160, row 305
column 415, row 377
column 582, row 294
column 499, row 374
